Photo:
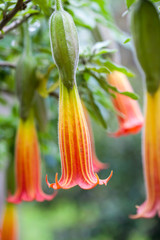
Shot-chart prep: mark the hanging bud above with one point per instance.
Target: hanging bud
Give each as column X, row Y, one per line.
column 26, row 81
column 146, row 36
column 64, row 44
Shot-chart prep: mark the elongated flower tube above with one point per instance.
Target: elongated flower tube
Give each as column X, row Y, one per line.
column 27, row 165
column 130, row 117
column 97, row 165
column 9, row 223
column 151, row 157
column 75, row 144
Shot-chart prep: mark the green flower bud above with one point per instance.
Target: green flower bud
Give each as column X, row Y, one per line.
column 146, row 35
column 64, row 44
column 26, row 83
column 25, row 76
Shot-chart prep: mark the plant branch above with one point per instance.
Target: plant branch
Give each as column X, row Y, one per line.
column 8, row 92
column 54, row 94
column 15, row 24
column 20, row 5
column 7, row 64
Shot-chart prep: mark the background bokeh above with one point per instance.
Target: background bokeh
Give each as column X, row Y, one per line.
column 103, row 212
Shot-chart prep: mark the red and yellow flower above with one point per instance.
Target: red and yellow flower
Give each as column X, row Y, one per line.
column 9, row 223
column 75, row 144
column 151, row 157
column 130, row 117
column 27, row 164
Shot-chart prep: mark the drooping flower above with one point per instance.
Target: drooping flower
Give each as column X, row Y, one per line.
column 27, row 164
column 75, row 144
column 130, row 117
column 97, row 165
column 151, row 158
column 9, row 223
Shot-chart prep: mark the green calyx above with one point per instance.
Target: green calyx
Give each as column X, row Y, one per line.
column 25, row 76
column 145, row 26
column 26, row 83
column 64, row 44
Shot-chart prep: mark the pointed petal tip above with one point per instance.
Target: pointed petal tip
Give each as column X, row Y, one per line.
column 105, row 181
column 49, row 185
column 111, row 174
column 55, row 185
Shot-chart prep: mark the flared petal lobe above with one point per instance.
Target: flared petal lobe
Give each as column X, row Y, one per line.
column 10, row 223
column 27, row 165
column 75, row 144
column 97, row 165
column 130, row 117
column 151, row 158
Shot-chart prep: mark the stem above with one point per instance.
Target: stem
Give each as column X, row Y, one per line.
column 27, row 42
column 20, row 5
column 15, row 24
column 58, row 5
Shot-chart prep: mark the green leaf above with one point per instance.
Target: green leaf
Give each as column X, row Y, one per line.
column 92, row 106
column 112, row 67
column 127, row 40
column 29, row 11
column 129, row 3
column 103, row 99
column 44, row 5
column 100, row 45
column 131, row 95
column 81, row 17
column 104, row 51
column 97, row 69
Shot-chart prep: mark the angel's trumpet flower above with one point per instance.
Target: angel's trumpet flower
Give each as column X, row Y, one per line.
column 151, row 158
column 75, row 144
column 130, row 117
column 27, row 164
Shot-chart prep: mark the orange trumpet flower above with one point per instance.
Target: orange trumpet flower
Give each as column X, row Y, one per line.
column 130, row 118
column 75, row 144
column 151, row 158
column 27, row 164
column 9, row 223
